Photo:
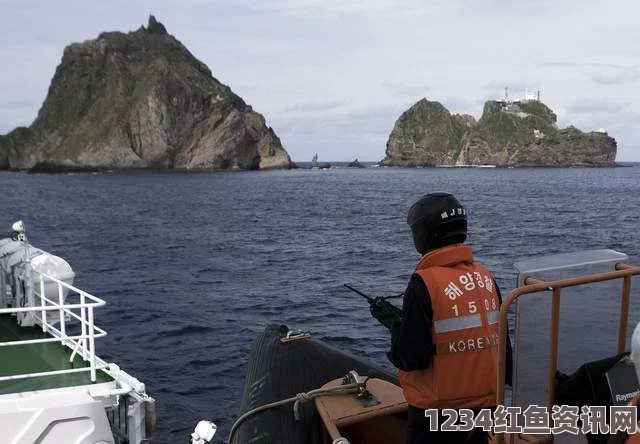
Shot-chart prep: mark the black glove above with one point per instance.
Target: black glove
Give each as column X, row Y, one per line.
column 385, row 312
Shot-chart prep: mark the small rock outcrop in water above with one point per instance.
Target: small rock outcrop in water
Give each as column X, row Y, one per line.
column 140, row 100
column 319, row 165
column 508, row 134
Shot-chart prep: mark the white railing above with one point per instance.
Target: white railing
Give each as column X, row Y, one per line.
column 82, row 344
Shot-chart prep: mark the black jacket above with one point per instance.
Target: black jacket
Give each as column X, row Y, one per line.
column 411, row 341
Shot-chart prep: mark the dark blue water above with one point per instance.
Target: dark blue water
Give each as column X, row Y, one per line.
column 193, row 266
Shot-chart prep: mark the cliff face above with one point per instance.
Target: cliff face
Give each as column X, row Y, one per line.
column 426, row 134
column 141, row 100
column 516, row 134
column 4, row 152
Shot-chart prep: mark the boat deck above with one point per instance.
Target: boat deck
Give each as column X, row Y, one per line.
column 36, row 358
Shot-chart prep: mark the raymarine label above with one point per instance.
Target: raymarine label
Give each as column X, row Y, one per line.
column 623, row 381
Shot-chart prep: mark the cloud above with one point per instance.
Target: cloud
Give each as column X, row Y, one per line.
column 515, row 87
column 486, row 97
column 19, row 104
column 315, row 107
column 340, row 135
column 345, row 124
column 566, row 64
column 619, row 77
column 373, row 121
column 404, row 90
column 336, row 8
column 596, row 106
column 407, row 9
column 456, row 105
column 517, row 11
column 11, row 118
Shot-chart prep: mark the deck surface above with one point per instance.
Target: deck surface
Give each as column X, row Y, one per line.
column 35, row 358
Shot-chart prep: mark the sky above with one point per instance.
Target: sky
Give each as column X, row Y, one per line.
column 332, row 76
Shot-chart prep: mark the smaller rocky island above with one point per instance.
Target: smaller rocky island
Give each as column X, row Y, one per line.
column 140, row 100
column 519, row 133
column 318, row 165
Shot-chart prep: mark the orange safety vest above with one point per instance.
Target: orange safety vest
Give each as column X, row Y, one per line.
column 465, row 306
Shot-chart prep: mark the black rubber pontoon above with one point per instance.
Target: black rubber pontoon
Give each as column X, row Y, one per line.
column 279, row 370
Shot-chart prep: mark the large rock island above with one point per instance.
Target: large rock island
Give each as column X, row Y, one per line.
column 521, row 133
column 140, row 100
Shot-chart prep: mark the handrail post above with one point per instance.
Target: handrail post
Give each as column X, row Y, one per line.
column 553, row 349
column 92, row 346
column 502, row 356
column 83, row 316
column 624, row 314
column 61, row 311
column 43, row 316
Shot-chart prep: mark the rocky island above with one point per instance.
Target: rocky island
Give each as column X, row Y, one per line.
column 520, row 134
column 140, row 100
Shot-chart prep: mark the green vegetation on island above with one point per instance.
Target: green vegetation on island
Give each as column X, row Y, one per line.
column 520, row 133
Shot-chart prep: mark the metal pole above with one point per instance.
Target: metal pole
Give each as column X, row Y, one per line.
column 624, row 314
column 553, row 349
column 61, row 312
column 44, row 303
column 3, row 290
column 624, row 309
column 502, row 353
column 92, row 346
column 28, row 282
column 83, row 322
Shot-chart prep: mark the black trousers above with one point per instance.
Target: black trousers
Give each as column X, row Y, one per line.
column 419, row 430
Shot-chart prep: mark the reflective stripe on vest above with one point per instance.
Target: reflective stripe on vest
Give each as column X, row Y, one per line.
column 465, row 333
column 460, row 323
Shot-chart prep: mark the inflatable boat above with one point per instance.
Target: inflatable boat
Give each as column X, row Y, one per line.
column 283, row 364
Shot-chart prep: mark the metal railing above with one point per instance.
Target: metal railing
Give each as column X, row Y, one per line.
column 532, row 285
column 82, row 344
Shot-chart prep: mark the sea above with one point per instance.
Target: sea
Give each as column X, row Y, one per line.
column 193, row 266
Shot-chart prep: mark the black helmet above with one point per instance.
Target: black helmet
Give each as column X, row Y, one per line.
column 436, row 220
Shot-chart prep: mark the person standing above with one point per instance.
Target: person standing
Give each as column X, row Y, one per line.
column 444, row 342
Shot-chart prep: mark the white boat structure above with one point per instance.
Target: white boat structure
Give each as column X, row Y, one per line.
column 54, row 389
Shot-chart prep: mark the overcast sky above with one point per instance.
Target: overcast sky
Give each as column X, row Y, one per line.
column 332, row 76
